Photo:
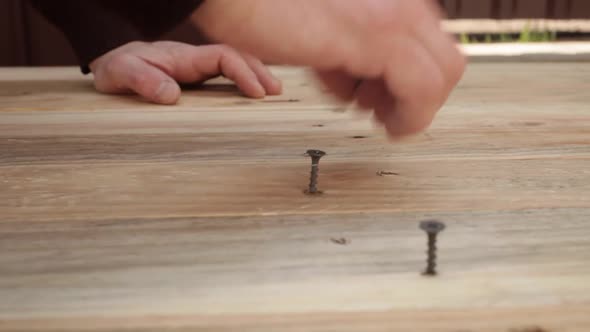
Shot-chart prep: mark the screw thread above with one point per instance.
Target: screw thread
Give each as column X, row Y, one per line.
column 313, row 179
column 431, row 260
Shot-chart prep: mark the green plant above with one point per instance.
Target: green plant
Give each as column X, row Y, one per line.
column 505, row 38
column 529, row 33
column 525, row 34
column 550, row 35
column 464, row 38
column 538, row 34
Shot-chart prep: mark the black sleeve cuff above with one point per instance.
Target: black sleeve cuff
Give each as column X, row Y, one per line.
column 153, row 18
column 95, row 27
column 91, row 29
column 85, row 69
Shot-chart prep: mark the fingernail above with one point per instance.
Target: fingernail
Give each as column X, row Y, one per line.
column 167, row 93
column 260, row 91
column 278, row 86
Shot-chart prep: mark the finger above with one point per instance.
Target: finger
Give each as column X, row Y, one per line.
column 382, row 110
column 197, row 64
column 446, row 54
column 156, row 56
column 369, row 93
column 436, row 9
column 338, row 83
column 234, row 67
column 418, row 90
column 441, row 46
column 127, row 72
column 269, row 82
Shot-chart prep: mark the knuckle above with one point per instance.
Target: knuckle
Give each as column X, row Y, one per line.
column 117, row 62
column 136, row 80
column 410, row 12
column 120, row 72
column 458, row 67
column 135, row 44
column 411, row 124
column 430, row 90
column 127, row 48
column 225, row 50
column 164, row 44
column 166, row 62
column 455, row 62
column 99, row 84
column 420, row 124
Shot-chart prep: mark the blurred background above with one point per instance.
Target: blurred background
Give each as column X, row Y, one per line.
column 27, row 39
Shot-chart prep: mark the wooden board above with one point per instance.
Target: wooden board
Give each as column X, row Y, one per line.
column 123, row 216
column 510, row 9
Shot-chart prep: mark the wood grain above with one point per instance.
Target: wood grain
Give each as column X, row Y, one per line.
column 528, row 267
column 123, row 216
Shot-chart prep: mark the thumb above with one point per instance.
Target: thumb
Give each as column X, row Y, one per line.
column 128, row 72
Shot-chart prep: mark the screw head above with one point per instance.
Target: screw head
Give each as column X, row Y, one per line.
column 432, row 226
column 315, row 153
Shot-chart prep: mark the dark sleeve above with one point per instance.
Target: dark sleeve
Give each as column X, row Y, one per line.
column 94, row 27
column 154, row 17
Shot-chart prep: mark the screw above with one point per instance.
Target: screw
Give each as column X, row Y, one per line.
column 313, row 180
column 432, row 228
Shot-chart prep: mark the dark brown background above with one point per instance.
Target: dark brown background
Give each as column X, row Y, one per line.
column 27, row 39
column 507, row 9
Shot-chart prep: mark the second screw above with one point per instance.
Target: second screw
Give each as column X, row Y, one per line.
column 432, row 228
column 315, row 155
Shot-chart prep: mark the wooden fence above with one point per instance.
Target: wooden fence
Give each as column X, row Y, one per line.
column 509, row 9
column 27, row 39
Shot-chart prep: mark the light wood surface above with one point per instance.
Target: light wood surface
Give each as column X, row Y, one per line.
column 117, row 215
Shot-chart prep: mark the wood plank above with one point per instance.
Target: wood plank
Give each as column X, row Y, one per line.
column 516, row 26
column 507, row 9
column 528, row 267
column 531, row 9
column 580, row 9
column 259, row 153
column 118, row 215
column 451, row 7
column 485, row 320
column 477, row 9
column 558, row 9
column 185, row 189
column 25, row 92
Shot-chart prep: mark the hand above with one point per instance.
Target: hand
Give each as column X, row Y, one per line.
column 152, row 70
column 390, row 56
